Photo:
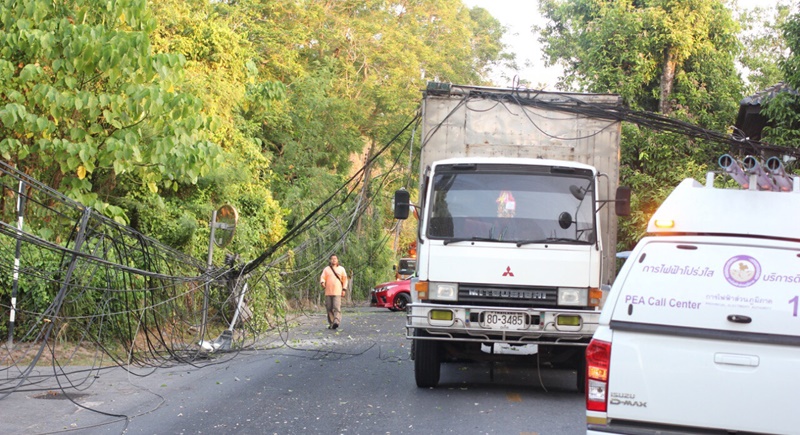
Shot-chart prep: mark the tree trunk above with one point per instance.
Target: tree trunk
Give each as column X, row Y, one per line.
column 667, row 78
column 364, row 196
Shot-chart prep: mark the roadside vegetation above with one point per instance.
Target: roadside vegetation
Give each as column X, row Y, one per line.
column 157, row 113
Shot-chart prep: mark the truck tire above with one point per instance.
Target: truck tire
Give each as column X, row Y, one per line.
column 427, row 363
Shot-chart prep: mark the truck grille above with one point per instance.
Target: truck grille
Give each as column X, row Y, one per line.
column 508, row 296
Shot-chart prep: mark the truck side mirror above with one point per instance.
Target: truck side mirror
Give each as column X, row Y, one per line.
column 622, row 203
column 578, row 192
column 564, row 220
column 402, row 203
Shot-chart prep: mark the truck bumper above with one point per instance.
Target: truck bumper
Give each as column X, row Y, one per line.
column 470, row 323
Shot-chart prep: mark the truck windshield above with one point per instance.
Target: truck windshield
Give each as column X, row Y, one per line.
column 512, row 207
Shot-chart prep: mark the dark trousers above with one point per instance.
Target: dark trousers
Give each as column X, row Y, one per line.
column 333, row 304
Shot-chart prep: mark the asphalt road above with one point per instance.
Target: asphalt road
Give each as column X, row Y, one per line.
column 356, row 380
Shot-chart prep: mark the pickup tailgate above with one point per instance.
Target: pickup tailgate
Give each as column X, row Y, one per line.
column 708, row 336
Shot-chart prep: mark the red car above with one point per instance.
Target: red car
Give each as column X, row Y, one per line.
column 394, row 295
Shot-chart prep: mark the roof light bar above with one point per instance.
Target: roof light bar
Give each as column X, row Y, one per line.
column 756, row 174
column 782, row 179
column 732, row 167
column 753, row 166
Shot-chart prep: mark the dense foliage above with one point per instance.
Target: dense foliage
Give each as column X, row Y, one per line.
column 763, row 46
column 157, row 113
column 90, row 109
column 677, row 58
column 783, row 109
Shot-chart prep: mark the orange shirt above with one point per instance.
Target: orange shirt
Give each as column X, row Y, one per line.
column 333, row 287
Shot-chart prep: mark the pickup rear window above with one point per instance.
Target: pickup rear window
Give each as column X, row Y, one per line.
column 721, row 290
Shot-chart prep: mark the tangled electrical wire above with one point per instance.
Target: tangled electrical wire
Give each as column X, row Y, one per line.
column 87, row 291
column 566, row 103
column 152, row 306
column 83, row 290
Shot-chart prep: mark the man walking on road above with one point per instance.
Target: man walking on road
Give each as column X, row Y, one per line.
column 334, row 281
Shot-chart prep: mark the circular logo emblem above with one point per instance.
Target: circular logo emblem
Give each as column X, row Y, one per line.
column 742, row 271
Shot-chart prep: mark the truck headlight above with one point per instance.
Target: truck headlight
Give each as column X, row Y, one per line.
column 443, row 291
column 573, row 296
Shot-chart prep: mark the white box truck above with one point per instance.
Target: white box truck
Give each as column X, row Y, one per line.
column 701, row 330
column 514, row 242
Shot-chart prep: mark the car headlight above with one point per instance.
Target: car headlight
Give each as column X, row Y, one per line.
column 573, row 296
column 443, row 291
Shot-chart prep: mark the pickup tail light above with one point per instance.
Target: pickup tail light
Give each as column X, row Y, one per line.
column 598, row 356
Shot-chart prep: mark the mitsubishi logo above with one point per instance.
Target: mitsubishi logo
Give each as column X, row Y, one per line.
column 508, row 271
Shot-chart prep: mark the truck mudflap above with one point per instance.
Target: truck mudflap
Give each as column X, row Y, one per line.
column 501, row 324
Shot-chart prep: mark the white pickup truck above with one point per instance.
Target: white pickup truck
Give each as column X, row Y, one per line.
column 701, row 330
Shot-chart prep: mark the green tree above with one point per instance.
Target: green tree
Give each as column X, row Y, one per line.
column 783, row 109
column 222, row 68
column 763, row 46
column 353, row 81
column 673, row 57
column 642, row 50
column 159, row 112
column 86, row 106
column 363, row 65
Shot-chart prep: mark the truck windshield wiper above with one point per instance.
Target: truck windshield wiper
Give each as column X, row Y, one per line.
column 473, row 239
column 552, row 240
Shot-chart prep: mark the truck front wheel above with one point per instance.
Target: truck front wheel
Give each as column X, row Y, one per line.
column 427, row 363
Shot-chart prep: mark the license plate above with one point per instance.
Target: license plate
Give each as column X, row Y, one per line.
column 501, row 320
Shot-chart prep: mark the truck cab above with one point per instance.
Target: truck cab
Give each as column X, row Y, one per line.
column 511, row 256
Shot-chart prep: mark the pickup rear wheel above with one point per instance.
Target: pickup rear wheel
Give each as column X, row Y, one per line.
column 427, row 363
